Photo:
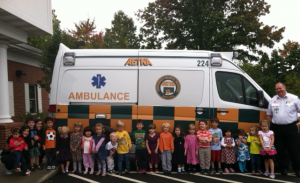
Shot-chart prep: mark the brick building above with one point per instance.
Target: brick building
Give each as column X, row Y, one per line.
column 19, row 62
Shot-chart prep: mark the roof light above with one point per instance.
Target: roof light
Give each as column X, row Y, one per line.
column 69, row 58
column 216, row 59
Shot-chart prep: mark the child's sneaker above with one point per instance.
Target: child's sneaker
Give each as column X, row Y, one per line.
column 226, row 170
column 113, row 171
column 120, row 172
column 140, row 172
column 73, row 171
column 213, row 170
column 26, row 173
column 91, row 172
column 18, row 169
column 253, row 172
column 103, row 174
column 8, row 172
column 85, row 172
column 48, row 167
column 266, row 174
column 202, row 171
column 63, row 171
column 156, row 170
column 259, row 172
column 272, row 176
column 53, row 167
column 231, row 170
column 207, row 171
column 194, row 170
column 220, row 171
column 98, row 173
column 150, row 171
column 67, row 171
column 144, row 171
column 79, row 171
column 126, row 171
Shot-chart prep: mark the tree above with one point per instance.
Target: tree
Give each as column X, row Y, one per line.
column 49, row 46
column 85, row 31
column 218, row 25
column 283, row 66
column 122, row 33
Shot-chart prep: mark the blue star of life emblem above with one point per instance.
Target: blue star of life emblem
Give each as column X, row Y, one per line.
column 98, row 81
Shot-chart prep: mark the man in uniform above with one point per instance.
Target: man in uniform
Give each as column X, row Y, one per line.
column 282, row 113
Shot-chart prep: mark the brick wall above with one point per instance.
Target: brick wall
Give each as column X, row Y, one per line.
column 32, row 75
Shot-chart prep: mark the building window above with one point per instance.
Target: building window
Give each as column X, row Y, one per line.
column 33, row 98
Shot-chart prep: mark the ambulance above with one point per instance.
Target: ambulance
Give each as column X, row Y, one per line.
column 157, row 86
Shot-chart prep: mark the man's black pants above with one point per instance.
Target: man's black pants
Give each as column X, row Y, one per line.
column 287, row 145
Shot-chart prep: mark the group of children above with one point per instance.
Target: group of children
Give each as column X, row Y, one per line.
column 207, row 147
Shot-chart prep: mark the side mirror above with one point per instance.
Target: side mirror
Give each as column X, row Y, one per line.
column 261, row 98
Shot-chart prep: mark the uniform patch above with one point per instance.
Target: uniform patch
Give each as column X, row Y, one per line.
column 167, row 87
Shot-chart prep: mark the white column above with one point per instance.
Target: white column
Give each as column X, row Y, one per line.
column 4, row 97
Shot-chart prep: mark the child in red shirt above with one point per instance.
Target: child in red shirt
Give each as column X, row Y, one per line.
column 17, row 144
column 204, row 138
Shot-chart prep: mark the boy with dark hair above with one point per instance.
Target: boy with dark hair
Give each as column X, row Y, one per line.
column 34, row 145
column 215, row 145
column 139, row 137
column 49, row 144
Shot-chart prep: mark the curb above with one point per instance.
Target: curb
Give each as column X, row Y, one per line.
column 49, row 175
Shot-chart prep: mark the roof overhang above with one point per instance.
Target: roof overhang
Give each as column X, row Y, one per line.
column 15, row 30
column 25, row 49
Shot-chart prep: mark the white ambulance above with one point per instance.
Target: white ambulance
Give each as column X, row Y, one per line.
column 175, row 86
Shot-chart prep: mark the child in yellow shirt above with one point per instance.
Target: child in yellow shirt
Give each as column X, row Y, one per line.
column 254, row 142
column 124, row 146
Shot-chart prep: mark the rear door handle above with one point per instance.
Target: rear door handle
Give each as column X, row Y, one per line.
column 224, row 111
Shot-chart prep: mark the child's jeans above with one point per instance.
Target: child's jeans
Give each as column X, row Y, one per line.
column 255, row 161
column 110, row 163
column 124, row 157
column 141, row 158
column 51, row 156
column 88, row 161
column 101, row 165
column 19, row 158
column 166, row 159
column 242, row 165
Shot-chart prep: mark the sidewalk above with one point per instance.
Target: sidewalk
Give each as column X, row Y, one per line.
column 37, row 176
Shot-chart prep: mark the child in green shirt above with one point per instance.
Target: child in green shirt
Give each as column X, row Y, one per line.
column 140, row 147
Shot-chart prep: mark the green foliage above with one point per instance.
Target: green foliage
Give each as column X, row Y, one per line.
column 22, row 116
column 122, row 33
column 282, row 67
column 49, row 46
column 218, row 25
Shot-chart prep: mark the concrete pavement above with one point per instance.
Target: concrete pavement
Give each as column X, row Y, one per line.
column 37, row 176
